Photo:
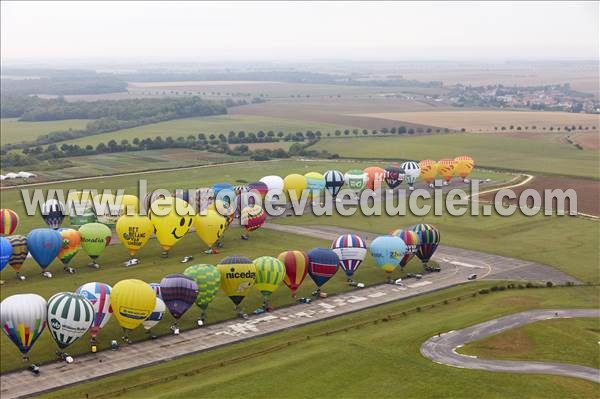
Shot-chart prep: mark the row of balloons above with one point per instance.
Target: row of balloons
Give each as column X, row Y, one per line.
column 69, row 315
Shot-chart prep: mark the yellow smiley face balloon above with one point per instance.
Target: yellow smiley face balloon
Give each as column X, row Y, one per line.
column 210, row 227
column 171, row 218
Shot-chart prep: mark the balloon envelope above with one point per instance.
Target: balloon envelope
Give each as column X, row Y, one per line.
column 464, row 166
column 334, row 181
column 44, row 245
column 156, row 316
column 294, row 185
column 237, row 276
column 208, row 279
column 393, row 176
column 99, row 296
column 428, row 170
column 132, row 302
column 210, row 226
column 53, row 213
column 70, row 315
column 269, row 274
column 411, row 240
column 71, row 243
column 375, row 176
column 356, row 180
column 134, row 231
column 172, row 220
column 323, row 263
column 19, row 251
column 429, row 238
column 315, row 182
column 23, row 318
column 253, row 217
column 9, row 220
column 411, row 172
column 178, row 293
column 296, row 268
column 351, row 250
column 387, row 252
column 6, row 251
column 94, row 238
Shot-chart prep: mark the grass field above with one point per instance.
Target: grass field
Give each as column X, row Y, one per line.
column 14, row 131
column 377, row 360
column 537, row 156
column 562, row 340
column 222, row 124
column 567, row 243
column 486, row 120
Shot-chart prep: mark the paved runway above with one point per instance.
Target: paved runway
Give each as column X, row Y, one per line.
column 442, row 349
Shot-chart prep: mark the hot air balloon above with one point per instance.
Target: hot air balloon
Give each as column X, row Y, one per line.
column 237, row 277
column 134, row 231
column 323, row 263
column 172, row 223
column 9, row 220
column 107, row 208
column 294, row 185
column 210, row 227
column 274, row 183
column 388, row 252
column 178, row 292
column 411, row 240
column 334, row 181
column 99, row 296
column 70, row 316
column 132, row 301
column 315, row 183
column 393, row 176
column 204, row 197
column 428, row 171
column 445, row 168
column 464, row 167
column 129, row 204
column 208, row 279
column 218, row 187
column 411, row 173
column 71, row 242
column 53, row 213
column 252, row 218
column 296, row 268
column 19, row 253
column 356, row 180
column 44, row 245
column 6, row 251
column 351, row 250
column 181, row 193
column 81, row 208
column 269, row 275
column 156, row 288
column 155, row 317
column 94, row 238
column 375, row 176
column 23, row 318
column 259, row 188
column 429, row 238
column 152, row 197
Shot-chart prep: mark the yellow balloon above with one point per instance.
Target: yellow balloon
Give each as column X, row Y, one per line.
column 132, row 301
column 295, row 184
column 130, row 204
column 171, row 218
column 428, row 170
column 237, row 277
column 445, row 168
column 210, row 227
column 464, row 166
column 134, row 231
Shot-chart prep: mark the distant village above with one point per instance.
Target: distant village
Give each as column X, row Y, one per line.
column 549, row 98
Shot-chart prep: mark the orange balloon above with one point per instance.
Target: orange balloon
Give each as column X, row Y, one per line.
column 375, row 176
column 445, row 168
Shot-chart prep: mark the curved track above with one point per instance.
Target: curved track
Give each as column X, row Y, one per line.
column 442, row 349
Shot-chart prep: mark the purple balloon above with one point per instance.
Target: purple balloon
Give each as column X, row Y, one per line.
column 178, row 293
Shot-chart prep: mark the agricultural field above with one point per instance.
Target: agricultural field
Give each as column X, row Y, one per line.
column 221, row 124
column 14, row 131
column 538, row 156
column 380, row 346
column 564, row 340
column 486, row 121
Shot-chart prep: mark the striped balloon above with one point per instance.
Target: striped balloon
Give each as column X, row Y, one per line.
column 334, row 181
column 411, row 172
column 323, row 263
column 429, row 238
column 237, row 277
column 411, row 240
column 269, row 274
column 53, row 213
column 208, row 279
column 178, row 292
column 70, row 315
column 253, row 217
column 445, row 168
column 156, row 315
column 9, row 220
column 99, row 296
column 296, row 268
column 156, row 288
column 20, row 251
column 23, row 318
column 351, row 249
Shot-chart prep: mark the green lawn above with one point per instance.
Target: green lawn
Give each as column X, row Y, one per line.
column 13, row 131
column 567, row 243
column 209, row 125
column 561, row 340
column 376, row 360
column 535, row 155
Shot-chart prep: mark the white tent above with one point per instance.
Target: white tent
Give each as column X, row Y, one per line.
column 11, row 175
column 25, row 175
column 2, row 177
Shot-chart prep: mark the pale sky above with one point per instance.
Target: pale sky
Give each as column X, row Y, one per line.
column 298, row 31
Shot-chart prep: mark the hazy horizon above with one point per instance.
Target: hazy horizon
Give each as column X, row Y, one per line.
column 297, row 32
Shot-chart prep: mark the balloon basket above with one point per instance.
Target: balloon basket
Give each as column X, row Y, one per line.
column 47, row 274
column 1, row 282
column 175, row 329
column 21, row 278
column 35, row 369
column 245, row 237
column 69, row 270
column 305, row 300
column 94, row 348
column 200, row 323
column 164, row 254
column 94, row 265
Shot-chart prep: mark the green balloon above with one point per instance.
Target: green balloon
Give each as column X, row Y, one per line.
column 208, row 279
column 94, row 238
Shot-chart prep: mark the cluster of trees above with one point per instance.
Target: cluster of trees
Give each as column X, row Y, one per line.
column 60, row 83
column 571, row 128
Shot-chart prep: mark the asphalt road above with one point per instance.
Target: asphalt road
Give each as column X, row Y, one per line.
column 442, row 349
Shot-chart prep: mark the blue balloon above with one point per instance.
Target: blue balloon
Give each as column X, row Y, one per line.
column 44, row 245
column 6, row 251
column 388, row 252
column 323, row 263
column 221, row 186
